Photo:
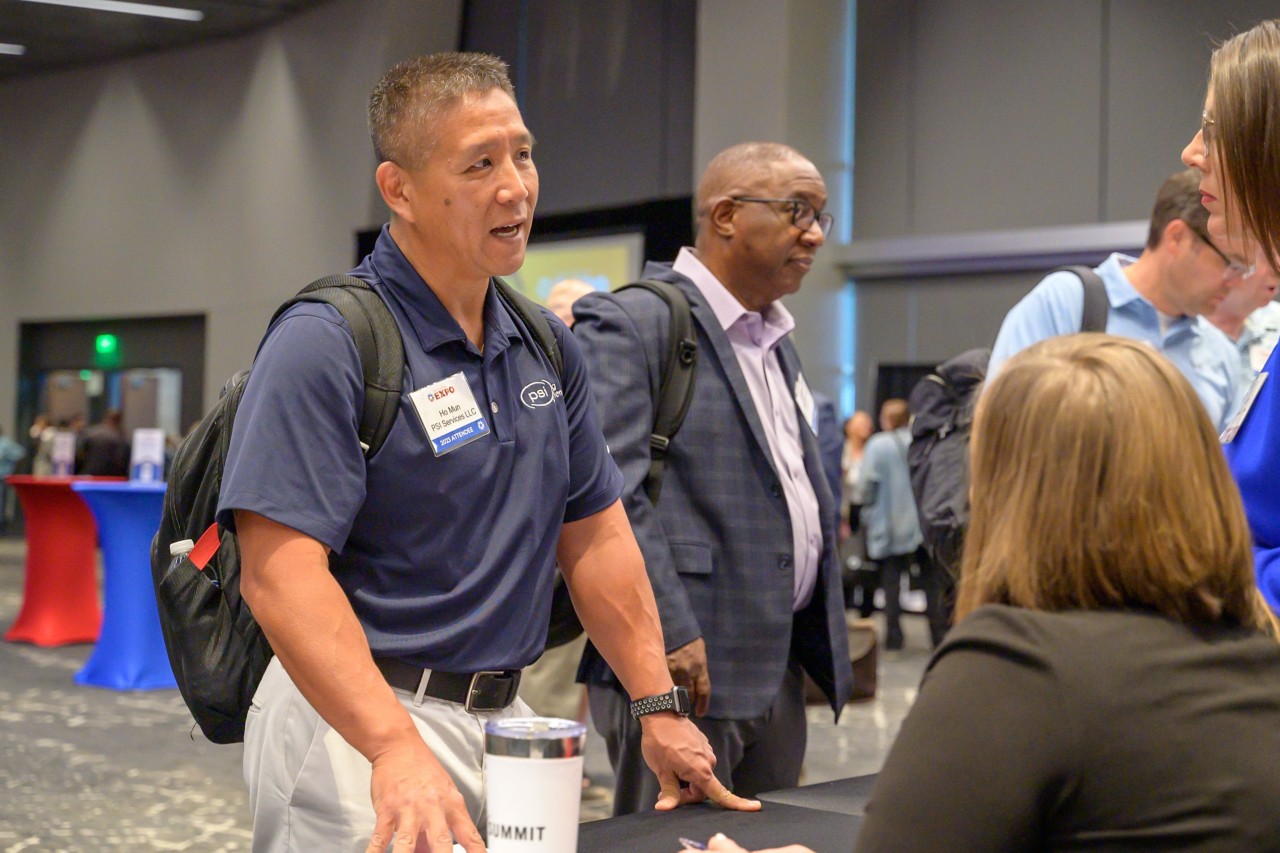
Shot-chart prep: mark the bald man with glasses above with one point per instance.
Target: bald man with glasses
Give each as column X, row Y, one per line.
column 740, row 545
column 1162, row 297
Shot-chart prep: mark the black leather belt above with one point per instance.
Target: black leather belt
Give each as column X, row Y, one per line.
column 491, row 690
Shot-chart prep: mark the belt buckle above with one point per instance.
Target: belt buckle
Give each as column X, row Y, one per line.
column 472, row 690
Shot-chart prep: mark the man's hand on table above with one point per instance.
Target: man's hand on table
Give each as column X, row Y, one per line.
column 677, row 752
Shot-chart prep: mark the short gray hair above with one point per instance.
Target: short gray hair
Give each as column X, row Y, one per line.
column 410, row 97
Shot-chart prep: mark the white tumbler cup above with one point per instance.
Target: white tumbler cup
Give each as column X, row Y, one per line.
column 533, row 784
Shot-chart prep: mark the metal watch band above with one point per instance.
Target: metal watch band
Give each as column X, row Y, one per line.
column 677, row 701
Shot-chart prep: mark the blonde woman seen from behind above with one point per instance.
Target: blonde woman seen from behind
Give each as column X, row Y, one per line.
column 1112, row 680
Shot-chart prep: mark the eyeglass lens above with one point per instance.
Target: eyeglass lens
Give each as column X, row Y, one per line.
column 803, row 216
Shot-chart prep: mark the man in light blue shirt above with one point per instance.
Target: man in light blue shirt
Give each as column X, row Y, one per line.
column 889, row 512
column 1159, row 297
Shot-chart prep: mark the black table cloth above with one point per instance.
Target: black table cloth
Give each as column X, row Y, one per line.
column 776, row 824
column 844, row 796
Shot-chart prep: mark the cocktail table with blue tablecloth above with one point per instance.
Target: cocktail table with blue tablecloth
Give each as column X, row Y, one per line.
column 130, row 653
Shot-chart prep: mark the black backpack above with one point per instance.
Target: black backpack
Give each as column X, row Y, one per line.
column 217, row 651
column 675, row 392
column 941, row 408
column 674, row 395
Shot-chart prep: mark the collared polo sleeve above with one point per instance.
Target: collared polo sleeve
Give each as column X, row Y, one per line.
column 1054, row 307
column 295, row 454
column 595, row 482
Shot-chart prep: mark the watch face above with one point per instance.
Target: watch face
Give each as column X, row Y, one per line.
column 682, row 704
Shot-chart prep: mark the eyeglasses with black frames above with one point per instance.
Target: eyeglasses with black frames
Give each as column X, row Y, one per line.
column 803, row 214
column 1235, row 269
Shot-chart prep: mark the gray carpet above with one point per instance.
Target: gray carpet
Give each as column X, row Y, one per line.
column 83, row 768
column 87, row 769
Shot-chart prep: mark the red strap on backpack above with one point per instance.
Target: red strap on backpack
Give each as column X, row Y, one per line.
column 206, row 547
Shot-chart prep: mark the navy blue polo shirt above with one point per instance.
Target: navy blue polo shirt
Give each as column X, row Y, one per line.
column 448, row 560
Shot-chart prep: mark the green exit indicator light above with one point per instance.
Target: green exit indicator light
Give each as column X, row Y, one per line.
column 106, row 344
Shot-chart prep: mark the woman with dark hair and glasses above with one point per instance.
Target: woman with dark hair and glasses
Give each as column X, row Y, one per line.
column 1238, row 157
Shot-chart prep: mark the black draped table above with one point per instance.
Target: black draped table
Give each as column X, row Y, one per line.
column 823, row 817
column 845, row 796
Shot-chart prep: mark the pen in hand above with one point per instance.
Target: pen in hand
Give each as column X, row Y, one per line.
column 690, row 844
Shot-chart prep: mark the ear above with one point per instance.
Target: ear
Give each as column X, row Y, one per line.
column 1177, row 234
column 720, row 217
column 393, row 183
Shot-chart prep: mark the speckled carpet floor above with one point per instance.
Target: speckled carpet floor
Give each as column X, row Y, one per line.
column 89, row 769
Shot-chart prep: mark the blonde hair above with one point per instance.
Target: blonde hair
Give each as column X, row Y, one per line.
column 1098, row 482
column 1244, row 77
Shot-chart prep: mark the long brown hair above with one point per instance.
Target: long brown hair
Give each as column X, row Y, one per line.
column 1098, row 482
column 1244, row 77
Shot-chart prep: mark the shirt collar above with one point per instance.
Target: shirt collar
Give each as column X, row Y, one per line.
column 763, row 328
column 1120, row 292
column 432, row 323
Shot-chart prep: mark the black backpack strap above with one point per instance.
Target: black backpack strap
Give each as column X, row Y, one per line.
column 378, row 341
column 534, row 321
column 1096, row 303
column 675, row 392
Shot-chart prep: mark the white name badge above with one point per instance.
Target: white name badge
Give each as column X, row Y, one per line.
column 806, row 404
column 1233, row 427
column 146, row 461
column 63, row 453
column 449, row 413
column 1258, row 354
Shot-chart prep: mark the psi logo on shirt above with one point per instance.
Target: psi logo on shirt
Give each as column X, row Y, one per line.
column 449, row 413
column 540, row 393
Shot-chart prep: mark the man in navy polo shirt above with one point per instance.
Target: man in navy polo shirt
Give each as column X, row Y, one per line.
column 395, row 590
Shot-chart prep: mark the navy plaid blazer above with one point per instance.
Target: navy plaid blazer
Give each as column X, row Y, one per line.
column 718, row 546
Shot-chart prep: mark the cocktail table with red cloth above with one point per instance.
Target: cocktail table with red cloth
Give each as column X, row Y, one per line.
column 59, row 591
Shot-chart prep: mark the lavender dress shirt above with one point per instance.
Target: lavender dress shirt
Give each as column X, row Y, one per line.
column 755, row 337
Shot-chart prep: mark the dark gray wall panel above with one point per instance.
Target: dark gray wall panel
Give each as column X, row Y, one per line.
column 930, row 320
column 883, row 140
column 606, row 86
column 988, row 115
column 1158, row 59
column 1007, row 122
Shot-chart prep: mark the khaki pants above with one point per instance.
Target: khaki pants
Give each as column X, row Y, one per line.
column 309, row 788
column 548, row 685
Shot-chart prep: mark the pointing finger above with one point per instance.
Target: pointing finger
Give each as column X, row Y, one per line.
column 726, row 799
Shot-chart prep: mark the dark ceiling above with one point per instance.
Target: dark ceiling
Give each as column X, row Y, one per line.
column 58, row 36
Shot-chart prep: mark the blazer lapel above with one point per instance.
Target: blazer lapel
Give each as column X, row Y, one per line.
column 706, row 318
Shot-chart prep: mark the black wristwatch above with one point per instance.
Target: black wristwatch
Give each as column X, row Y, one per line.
column 677, row 701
